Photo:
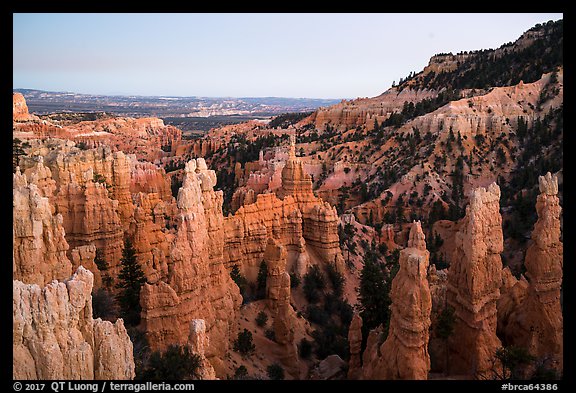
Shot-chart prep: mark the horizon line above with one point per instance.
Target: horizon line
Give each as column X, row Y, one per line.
column 181, row 96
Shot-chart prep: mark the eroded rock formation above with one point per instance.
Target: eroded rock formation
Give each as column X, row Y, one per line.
column 20, row 109
column 278, row 295
column 355, row 343
column 39, row 245
column 473, row 287
column 197, row 342
column 404, row 354
column 363, row 111
column 84, row 256
column 198, row 286
column 150, row 242
column 90, row 189
column 536, row 322
column 145, row 137
column 55, row 337
column 148, row 178
column 319, row 219
column 248, row 231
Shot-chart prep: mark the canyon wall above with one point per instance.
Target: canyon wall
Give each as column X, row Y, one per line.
column 363, row 111
column 38, row 237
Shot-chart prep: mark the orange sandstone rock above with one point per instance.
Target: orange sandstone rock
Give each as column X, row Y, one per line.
column 20, row 109
column 55, row 337
column 404, row 354
column 474, row 280
column 197, row 342
column 198, row 286
column 537, row 322
column 355, row 342
column 38, row 237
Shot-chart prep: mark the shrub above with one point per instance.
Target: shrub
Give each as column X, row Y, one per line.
column 294, row 280
column 261, row 319
column 140, row 350
column 275, row 372
column 261, row 280
column 130, row 280
column 270, row 335
column 103, row 305
column 305, row 349
column 336, row 278
column 445, row 323
column 335, row 305
column 176, row 363
column 239, row 279
column 317, row 315
column 314, row 282
column 102, row 265
column 82, row 145
column 329, row 343
column 241, row 373
column 243, row 344
column 512, row 359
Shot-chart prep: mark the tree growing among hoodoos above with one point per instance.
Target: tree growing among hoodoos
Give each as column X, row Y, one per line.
column 130, row 280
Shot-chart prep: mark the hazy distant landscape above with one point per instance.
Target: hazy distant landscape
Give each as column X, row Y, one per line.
column 186, row 113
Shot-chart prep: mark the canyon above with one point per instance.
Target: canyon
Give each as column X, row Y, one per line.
column 366, row 241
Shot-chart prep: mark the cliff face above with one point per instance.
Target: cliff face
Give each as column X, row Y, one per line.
column 247, row 232
column 90, row 189
column 20, row 109
column 197, row 286
column 152, row 245
column 299, row 220
column 363, row 111
column 319, row 219
column 404, row 354
column 473, row 287
column 143, row 137
column 55, row 337
column 101, row 196
column 39, row 245
column 148, row 178
column 536, row 322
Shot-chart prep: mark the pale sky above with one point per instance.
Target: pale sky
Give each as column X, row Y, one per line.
column 334, row 55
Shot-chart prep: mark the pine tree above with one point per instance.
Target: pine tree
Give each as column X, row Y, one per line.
column 239, row 279
column 244, row 344
column 373, row 294
column 102, row 265
column 131, row 279
column 261, row 280
column 444, row 328
column 17, row 151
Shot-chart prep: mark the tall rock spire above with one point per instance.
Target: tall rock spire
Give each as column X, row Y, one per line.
column 404, row 354
column 474, row 280
column 292, row 151
column 536, row 324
